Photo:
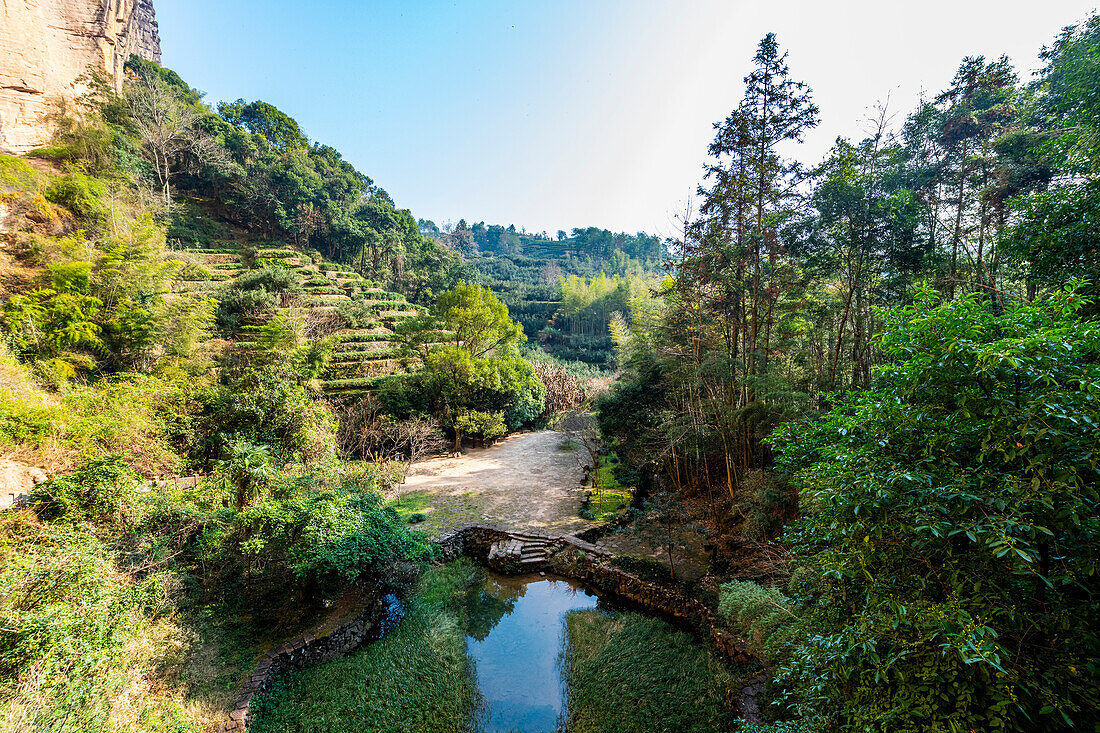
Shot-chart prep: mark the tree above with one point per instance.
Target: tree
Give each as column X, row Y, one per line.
column 471, row 367
column 263, row 119
column 167, row 125
column 726, row 331
column 1055, row 232
column 248, row 468
column 478, row 320
column 953, row 525
column 417, row 438
column 453, row 374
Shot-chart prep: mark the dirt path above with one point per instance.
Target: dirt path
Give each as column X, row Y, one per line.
column 525, row 481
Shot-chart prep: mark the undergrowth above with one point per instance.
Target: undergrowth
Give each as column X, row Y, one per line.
column 628, row 673
column 417, row 679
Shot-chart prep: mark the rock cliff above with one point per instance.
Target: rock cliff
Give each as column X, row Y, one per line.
column 45, row 45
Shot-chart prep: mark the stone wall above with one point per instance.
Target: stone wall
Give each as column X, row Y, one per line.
column 468, row 541
column 653, row 598
column 584, row 561
column 46, row 45
column 336, row 640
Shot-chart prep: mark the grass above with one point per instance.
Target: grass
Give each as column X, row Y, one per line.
column 631, row 674
column 609, row 496
column 439, row 513
column 606, row 504
column 417, row 679
column 412, row 503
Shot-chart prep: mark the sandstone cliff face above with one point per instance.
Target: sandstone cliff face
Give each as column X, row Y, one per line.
column 46, row 44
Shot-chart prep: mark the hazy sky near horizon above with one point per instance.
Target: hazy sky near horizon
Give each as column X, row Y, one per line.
column 571, row 113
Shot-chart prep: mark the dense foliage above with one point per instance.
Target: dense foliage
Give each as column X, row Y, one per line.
column 952, row 521
column 899, row 317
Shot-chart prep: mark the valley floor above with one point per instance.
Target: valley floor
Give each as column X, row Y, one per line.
column 526, row 481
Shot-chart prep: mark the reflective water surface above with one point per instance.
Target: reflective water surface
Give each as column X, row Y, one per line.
column 516, row 633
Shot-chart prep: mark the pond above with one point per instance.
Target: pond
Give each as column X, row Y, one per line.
column 515, row 636
column 474, row 651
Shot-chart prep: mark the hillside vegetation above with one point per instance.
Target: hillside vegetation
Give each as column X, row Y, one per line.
column 859, row 398
column 564, row 291
column 207, row 293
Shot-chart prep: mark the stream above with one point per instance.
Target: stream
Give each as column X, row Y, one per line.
column 515, row 637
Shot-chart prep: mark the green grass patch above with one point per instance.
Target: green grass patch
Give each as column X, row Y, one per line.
column 413, row 503
column 631, row 674
column 417, row 679
column 17, row 175
column 440, row 513
column 606, row 504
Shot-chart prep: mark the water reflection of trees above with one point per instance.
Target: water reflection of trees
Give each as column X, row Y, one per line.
column 488, row 602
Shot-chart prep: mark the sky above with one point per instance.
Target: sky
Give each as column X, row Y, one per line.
column 570, row 113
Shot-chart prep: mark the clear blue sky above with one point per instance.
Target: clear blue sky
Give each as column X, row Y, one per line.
column 566, row 113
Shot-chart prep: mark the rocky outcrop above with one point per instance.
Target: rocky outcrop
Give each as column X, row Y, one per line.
column 46, row 45
column 17, row 480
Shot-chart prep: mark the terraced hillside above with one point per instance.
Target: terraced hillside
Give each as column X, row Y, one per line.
column 332, row 299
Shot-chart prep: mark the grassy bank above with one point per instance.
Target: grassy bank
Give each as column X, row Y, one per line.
column 417, row 679
column 631, row 674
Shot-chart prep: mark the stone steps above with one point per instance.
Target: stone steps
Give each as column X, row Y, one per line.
column 523, row 552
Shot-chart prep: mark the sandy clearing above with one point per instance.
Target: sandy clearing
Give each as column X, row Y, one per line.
column 524, row 482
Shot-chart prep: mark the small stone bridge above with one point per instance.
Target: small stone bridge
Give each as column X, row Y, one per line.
column 512, row 551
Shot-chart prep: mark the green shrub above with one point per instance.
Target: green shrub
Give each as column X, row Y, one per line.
column 265, row 405
column 357, row 314
column 82, row 195
column 255, row 295
column 486, row 425
column 952, row 517
column 71, row 626
column 766, row 503
column 321, row 538
column 762, row 616
column 98, row 491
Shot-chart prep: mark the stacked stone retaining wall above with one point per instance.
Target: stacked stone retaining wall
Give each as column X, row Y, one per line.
column 334, row 640
column 587, row 562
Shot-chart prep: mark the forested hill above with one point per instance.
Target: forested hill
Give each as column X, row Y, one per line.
column 581, row 249
column 563, row 289
column 261, row 174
